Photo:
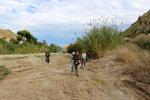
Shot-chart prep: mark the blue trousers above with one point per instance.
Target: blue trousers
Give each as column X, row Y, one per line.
column 83, row 61
column 72, row 66
column 47, row 59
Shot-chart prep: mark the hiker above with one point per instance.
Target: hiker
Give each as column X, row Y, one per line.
column 47, row 54
column 73, row 53
column 76, row 58
column 83, row 58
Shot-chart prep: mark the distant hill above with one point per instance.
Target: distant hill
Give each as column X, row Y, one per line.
column 7, row 35
column 65, row 46
column 140, row 26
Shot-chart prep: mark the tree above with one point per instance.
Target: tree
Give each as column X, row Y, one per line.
column 44, row 43
column 19, row 38
column 34, row 41
column 30, row 38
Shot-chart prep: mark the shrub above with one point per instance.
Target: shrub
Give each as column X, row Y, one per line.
column 75, row 47
column 10, row 49
column 2, row 41
column 15, row 42
column 4, row 71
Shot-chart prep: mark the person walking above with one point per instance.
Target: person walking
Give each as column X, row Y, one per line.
column 83, row 58
column 72, row 67
column 76, row 59
column 47, row 55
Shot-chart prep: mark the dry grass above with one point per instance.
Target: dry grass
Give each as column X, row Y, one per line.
column 138, row 59
column 141, row 36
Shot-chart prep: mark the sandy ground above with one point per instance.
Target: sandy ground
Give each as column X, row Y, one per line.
column 34, row 79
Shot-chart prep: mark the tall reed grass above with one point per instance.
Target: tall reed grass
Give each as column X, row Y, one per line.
column 101, row 35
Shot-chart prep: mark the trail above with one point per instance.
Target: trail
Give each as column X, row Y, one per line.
column 34, row 79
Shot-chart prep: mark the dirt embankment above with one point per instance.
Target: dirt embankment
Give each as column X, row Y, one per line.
column 34, row 79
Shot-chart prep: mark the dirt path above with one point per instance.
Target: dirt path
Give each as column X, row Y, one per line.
column 34, row 79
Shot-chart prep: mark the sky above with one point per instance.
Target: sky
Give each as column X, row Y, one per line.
column 56, row 21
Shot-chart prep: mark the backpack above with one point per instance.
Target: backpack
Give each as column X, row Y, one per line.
column 76, row 62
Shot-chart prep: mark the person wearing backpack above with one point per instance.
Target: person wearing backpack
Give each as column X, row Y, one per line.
column 47, row 54
column 77, row 60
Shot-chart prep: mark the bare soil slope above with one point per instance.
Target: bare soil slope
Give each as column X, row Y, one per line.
column 34, row 79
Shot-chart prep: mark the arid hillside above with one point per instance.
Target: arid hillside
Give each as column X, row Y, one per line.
column 7, row 35
column 142, row 25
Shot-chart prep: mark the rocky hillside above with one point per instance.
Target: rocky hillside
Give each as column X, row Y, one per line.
column 141, row 26
column 7, row 35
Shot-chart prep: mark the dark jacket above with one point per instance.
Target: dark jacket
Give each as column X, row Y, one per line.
column 47, row 54
column 76, row 58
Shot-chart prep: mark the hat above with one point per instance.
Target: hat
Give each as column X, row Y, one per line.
column 73, row 52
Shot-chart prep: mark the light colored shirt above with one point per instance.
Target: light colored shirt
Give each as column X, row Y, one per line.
column 83, row 55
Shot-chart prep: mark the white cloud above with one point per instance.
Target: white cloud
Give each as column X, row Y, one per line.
column 65, row 14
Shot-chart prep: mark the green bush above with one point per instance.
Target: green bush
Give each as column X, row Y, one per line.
column 10, row 49
column 2, row 41
column 15, row 42
column 75, row 47
column 4, row 71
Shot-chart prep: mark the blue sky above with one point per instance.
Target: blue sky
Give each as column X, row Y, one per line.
column 56, row 21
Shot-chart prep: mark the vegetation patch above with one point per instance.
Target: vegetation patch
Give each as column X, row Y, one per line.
column 3, row 71
column 99, row 81
column 24, row 43
column 99, row 36
column 9, row 58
